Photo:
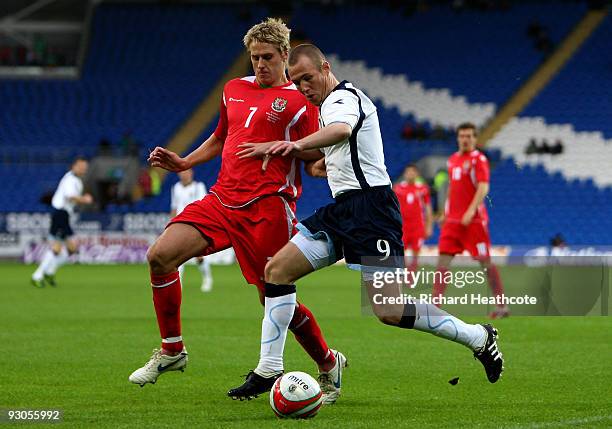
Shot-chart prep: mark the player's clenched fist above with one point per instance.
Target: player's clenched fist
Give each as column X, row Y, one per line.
column 166, row 159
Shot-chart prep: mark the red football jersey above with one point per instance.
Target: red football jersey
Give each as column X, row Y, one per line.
column 250, row 113
column 413, row 198
column 465, row 171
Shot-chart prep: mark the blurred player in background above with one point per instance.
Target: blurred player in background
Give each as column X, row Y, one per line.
column 465, row 220
column 67, row 196
column 183, row 193
column 363, row 225
column 417, row 216
column 249, row 209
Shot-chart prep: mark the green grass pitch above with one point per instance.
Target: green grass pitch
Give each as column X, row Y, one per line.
column 73, row 348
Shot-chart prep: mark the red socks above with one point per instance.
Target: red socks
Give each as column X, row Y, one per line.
column 495, row 282
column 414, row 264
column 167, row 302
column 493, row 277
column 439, row 283
column 307, row 332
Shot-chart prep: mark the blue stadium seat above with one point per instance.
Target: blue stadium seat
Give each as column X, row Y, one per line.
column 147, row 68
column 581, row 93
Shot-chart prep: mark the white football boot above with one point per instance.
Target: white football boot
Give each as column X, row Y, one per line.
column 157, row 365
column 331, row 382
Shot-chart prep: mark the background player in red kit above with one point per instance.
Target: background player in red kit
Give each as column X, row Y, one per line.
column 249, row 209
column 465, row 220
column 415, row 208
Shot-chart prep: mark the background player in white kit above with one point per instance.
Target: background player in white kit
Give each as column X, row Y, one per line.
column 183, row 193
column 67, row 196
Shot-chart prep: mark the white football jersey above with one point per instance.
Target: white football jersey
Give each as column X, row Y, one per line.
column 359, row 161
column 69, row 187
column 181, row 196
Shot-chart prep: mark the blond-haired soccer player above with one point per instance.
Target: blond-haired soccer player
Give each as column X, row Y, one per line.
column 68, row 195
column 249, row 209
column 363, row 224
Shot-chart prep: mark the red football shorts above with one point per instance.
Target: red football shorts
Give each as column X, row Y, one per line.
column 455, row 238
column 413, row 240
column 256, row 232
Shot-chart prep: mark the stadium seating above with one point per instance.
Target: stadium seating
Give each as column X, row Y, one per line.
column 570, row 192
column 575, row 110
column 580, row 95
column 147, row 67
column 148, row 82
column 527, row 205
column 585, row 154
column 483, row 56
column 428, row 81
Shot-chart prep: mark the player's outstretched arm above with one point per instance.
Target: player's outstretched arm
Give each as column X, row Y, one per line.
column 168, row 160
column 260, row 150
column 82, row 199
column 327, row 136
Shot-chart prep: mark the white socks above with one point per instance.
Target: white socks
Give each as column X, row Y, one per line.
column 204, row 268
column 46, row 261
column 279, row 308
column 431, row 319
column 181, row 270
column 207, row 280
column 57, row 262
column 50, row 263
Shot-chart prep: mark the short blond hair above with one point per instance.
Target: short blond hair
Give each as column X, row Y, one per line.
column 272, row 31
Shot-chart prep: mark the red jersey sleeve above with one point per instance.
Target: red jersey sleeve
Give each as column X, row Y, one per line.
column 482, row 169
column 221, row 130
column 307, row 124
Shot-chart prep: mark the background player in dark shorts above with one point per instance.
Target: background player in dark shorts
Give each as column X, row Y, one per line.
column 68, row 195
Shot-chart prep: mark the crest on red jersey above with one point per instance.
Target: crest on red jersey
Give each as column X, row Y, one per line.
column 279, row 104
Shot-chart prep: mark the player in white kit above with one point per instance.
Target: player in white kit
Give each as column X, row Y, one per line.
column 67, row 196
column 183, row 193
column 363, row 225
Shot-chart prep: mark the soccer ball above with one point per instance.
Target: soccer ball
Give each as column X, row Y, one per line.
column 296, row 395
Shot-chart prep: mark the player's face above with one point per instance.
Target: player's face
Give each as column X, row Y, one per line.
column 268, row 64
column 310, row 80
column 411, row 174
column 80, row 168
column 466, row 140
column 186, row 176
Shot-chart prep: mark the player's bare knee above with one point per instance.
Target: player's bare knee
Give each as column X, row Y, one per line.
column 71, row 247
column 158, row 262
column 56, row 248
column 276, row 273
